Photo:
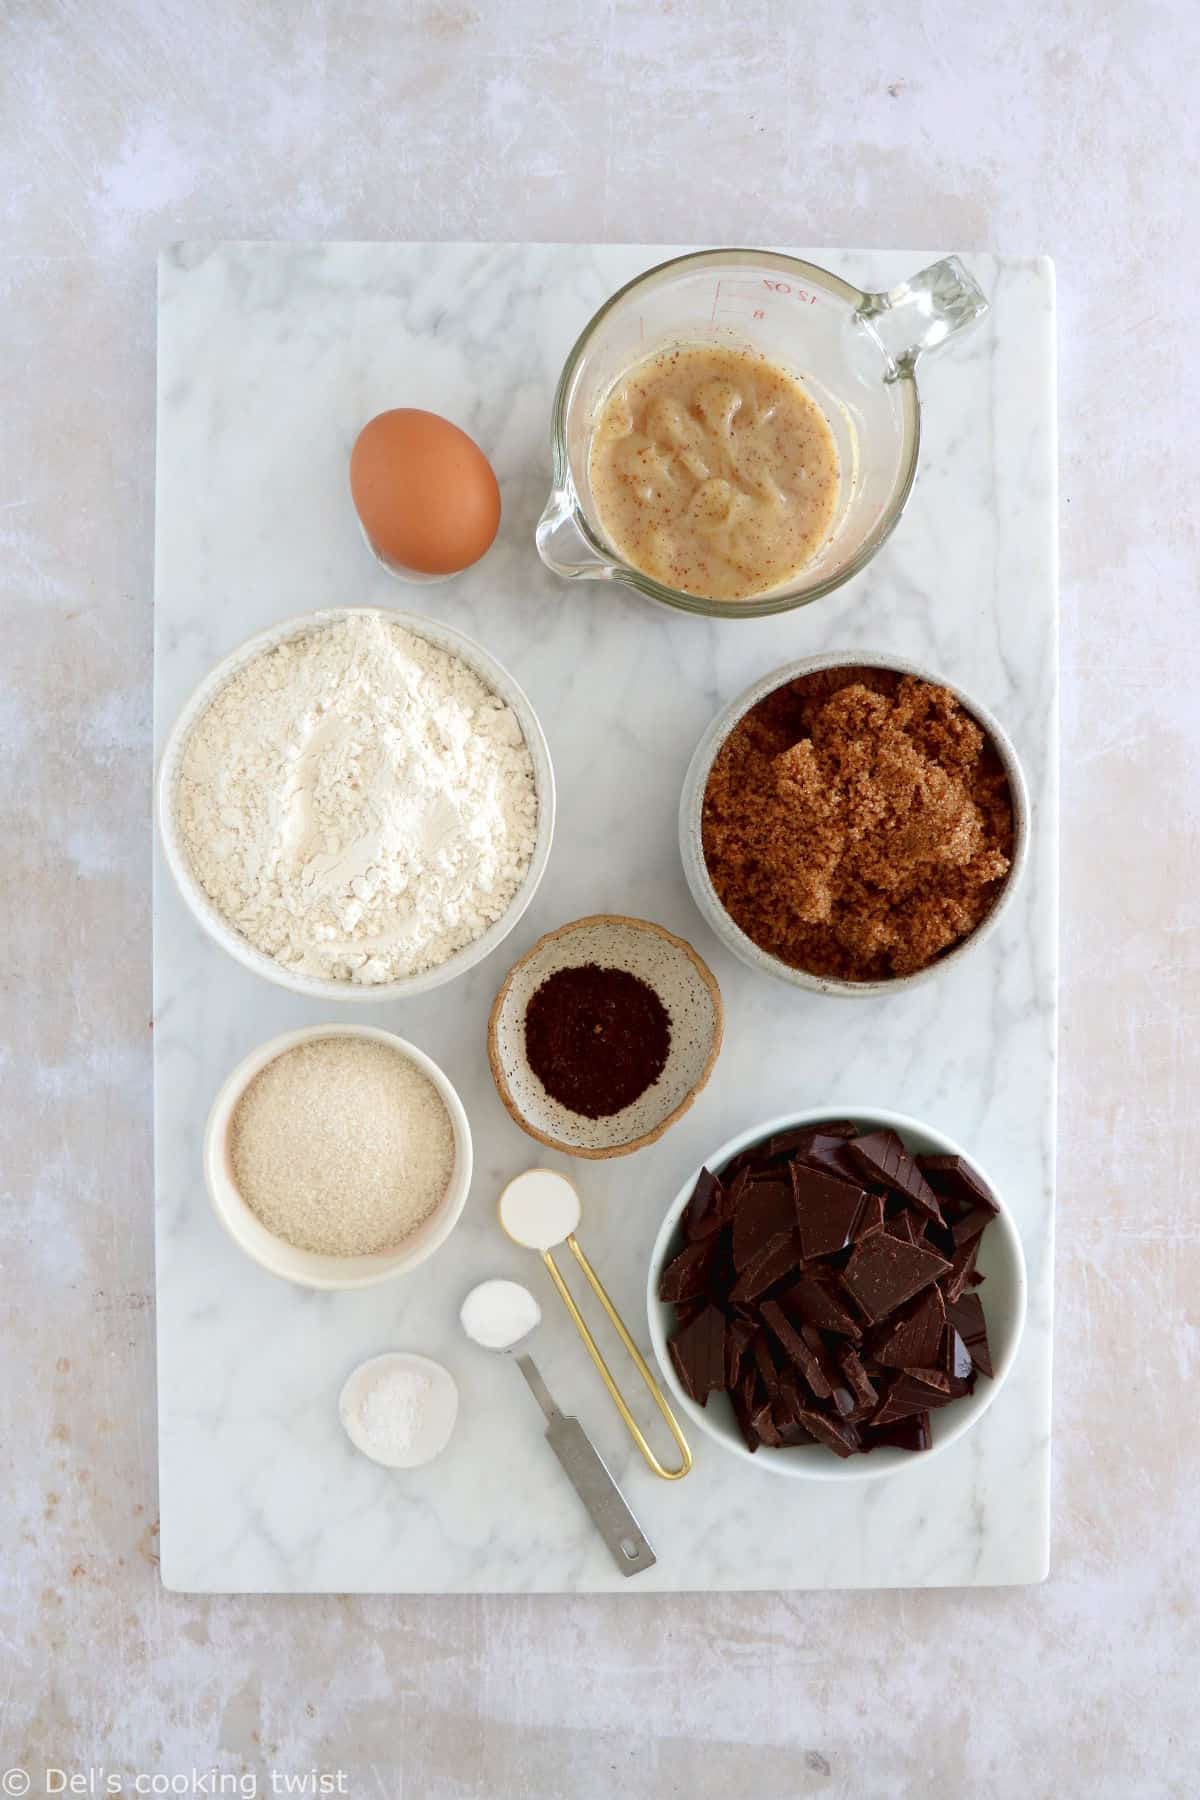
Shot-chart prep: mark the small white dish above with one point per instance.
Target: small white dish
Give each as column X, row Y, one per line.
column 691, row 812
column 683, row 982
column 311, row 1268
column 1004, row 1296
column 316, row 987
column 441, row 1416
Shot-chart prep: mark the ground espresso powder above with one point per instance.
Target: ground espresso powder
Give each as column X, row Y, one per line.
column 858, row 823
column 596, row 1038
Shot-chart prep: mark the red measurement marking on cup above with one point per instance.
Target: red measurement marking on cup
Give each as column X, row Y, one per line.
column 766, row 287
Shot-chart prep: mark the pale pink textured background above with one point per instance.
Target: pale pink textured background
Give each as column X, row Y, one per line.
column 1042, row 125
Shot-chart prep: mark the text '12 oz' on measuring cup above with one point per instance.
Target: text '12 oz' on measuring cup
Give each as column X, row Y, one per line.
column 854, row 351
column 540, row 1210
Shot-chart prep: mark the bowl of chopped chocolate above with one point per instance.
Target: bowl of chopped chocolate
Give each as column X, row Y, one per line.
column 853, row 824
column 837, row 1298
column 603, row 1034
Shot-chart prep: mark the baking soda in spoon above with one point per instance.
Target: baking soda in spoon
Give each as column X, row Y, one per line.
column 498, row 1314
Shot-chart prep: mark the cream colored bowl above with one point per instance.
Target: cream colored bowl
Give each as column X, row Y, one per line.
column 309, row 1268
column 317, row 987
column 687, row 988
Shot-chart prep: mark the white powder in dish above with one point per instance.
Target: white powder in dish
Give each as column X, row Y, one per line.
column 392, row 1412
column 358, row 803
column 399, row 1409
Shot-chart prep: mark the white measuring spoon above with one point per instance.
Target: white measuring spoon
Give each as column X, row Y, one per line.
column 540, row 1210
column 499, row 1315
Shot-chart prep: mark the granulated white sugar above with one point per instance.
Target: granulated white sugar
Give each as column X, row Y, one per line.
column 342, row 1145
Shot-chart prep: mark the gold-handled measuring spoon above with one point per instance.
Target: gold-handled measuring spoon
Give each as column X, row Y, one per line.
column 540, row 1210
column 501, row 1316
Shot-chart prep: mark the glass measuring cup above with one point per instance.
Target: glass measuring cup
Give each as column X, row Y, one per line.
column 855, row 352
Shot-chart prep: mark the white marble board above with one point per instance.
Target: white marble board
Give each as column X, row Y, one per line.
column 270, row 358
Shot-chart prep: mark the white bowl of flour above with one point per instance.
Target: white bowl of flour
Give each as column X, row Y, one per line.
column 357, row 804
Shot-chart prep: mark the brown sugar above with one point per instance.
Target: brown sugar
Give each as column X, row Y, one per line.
column 858, row 823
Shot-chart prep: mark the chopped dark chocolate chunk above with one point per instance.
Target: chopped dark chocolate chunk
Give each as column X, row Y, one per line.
column 865, row 1392
column 909, row 1394
column 777, row 1260
column 902, row 1224
column 883, row 1273
column 794, row 1346
column 813, row 1302
column 800, row 1138
column 829, row 1211
column 931, row 1378
column 739, row 1335
column 764, row 1424
column 687, row 1310
column 912, row 1338
column 953, row 1178
column 966, row 1316
column 792, row 1433
column 841, row 1437
column 787, row 1400
column 971, row 1224
column 684, row 1278
column 882, row 1156
column 960, row 1271
column 829, row 1154
column 768, row 1369
column 909, row 1433
column 766, row 1211
column 698, row 1353
column 708, row 1209
column 817, row 1281
column 744, row 1398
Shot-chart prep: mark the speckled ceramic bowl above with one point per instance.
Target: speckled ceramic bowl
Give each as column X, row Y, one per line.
column 691, row 811
column 685, row 985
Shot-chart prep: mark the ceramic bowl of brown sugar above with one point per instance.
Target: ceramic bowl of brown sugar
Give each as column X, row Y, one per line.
column 854, row 824
column 603, row 1034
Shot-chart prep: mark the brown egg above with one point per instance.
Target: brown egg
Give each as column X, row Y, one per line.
column 425, row 492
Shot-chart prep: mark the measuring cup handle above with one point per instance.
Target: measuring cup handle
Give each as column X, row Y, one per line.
column 921, row 313
column 562, row 545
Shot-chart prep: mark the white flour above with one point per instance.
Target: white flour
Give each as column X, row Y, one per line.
column 357, row 803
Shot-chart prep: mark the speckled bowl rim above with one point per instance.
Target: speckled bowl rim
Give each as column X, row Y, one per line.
column 818, row 1464
column 691, row 810
column 647, row 1137
column 311, row 1268
column 317, row 987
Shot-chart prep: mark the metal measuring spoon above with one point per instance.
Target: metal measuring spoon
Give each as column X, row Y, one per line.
column 540, row 1210
column 488, row 1313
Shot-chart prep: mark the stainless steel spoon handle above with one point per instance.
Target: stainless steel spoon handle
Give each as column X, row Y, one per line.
column 588, row 1474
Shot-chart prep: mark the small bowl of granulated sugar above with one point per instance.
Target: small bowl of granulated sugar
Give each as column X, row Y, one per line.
column 338, row 1156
